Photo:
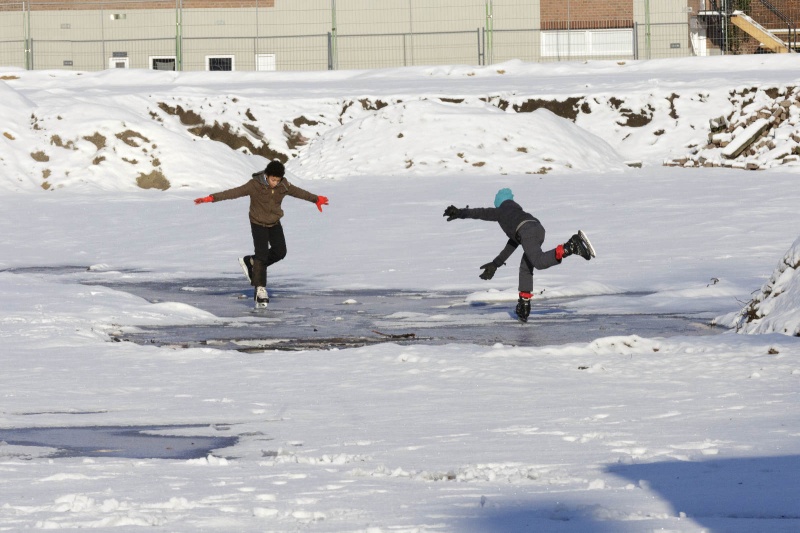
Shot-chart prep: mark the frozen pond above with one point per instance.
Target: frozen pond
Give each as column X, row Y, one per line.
column 132, row 442
column 298, row 319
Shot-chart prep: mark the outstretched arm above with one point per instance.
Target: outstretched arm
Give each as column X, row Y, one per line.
column 506, row 252
column 303, row 194
column 490, row 268
column 230, row 194
column 480, row 213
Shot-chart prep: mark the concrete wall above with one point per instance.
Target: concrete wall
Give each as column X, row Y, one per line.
column 662, row 28
column 363, row 33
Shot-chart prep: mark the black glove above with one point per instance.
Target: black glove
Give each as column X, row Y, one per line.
column 488, row 271
column 452, row 213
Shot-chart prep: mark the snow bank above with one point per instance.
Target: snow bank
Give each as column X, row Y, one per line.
column 776, row 308
column 123, row 131
column 429, row 138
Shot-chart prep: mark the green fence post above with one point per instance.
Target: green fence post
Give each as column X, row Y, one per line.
column 488, row 53
column 179, row 35
column 26, row 30
column 647, row 28
column 333, row 62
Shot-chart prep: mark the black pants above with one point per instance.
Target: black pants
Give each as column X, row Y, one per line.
column 270, row 247
column 531, row 236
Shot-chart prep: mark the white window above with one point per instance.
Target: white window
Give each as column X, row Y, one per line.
column 265, row 62
column 582, row 43
column 162, row 62
column 118, row 62
column 220, row 63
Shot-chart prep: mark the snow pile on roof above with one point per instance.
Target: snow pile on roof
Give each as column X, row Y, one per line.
column 429, row 137
column 776, row 308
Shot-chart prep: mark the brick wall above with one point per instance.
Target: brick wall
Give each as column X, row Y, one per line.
column 790, row 8
column 586, row 14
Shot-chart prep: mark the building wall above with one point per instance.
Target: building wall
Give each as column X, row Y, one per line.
column 662, row 28
column 73, row 5
column 85, row 35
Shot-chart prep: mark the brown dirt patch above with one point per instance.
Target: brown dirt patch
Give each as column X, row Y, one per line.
column 186, row 116
column 568, row 108
column 294, row 138
column 254, row 130
column 637, row 120
column 8, row 136
column 303, row 121
column 40, row 156
column 222, row 133
column 673, row 113
column 131, row 138
column 56, row 140
column 369, row 105
column 96, row 139
column 153, row 180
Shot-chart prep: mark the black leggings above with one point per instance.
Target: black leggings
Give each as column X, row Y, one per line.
column 270, row 247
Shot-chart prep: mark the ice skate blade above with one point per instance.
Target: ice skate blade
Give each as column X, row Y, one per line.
column 244, row 268
column 586, row 241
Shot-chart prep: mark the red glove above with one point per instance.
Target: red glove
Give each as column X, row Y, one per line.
column 204, row 200
column 321, row 200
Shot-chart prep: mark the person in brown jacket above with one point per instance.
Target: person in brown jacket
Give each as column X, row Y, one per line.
column 266, row 190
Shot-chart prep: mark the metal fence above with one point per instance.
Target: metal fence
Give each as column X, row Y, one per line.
column 338, row 34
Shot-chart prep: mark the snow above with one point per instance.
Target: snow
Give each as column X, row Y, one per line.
column 776, row 307
column 623, row 433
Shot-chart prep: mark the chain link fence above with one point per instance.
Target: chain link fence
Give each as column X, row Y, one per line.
column 260, row 35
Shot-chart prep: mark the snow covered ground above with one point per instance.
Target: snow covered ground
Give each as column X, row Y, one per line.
column 624, row 433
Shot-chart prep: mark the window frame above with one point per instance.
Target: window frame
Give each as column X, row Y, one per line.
column 221, row 56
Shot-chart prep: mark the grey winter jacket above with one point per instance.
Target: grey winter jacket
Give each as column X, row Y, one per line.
column 510, row 216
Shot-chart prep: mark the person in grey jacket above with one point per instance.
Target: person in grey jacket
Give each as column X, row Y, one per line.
column 266, row 190
column 522, row 229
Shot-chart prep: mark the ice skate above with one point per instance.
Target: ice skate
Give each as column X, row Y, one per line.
column 523, row 308
column 261, row 298
column 246, row 263
column 579, row 244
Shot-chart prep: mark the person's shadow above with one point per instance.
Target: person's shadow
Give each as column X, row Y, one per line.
column 764, row 489
column 741, row 495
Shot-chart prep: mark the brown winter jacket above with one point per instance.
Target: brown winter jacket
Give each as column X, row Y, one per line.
column 265, row 203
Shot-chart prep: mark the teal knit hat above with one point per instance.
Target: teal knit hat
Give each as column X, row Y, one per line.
column 503, row 195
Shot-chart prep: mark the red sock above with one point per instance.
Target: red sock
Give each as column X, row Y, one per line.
column 560, row 252
column 526, row 295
